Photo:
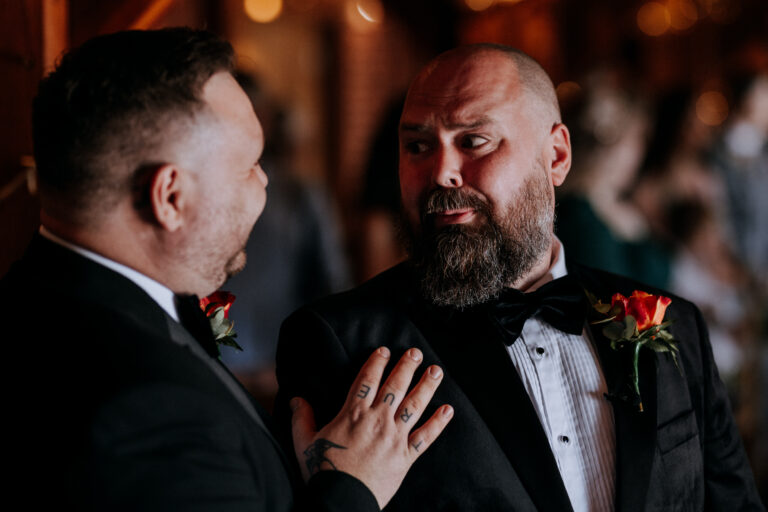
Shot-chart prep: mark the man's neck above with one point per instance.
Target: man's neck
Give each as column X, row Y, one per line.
column 542, row 272
column 159, row 292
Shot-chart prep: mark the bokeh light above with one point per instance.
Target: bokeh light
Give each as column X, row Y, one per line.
column 653, row 18
column 479, row 5
column 263, row 11
column 370, row 10
column 364, row 15
column 567, row 91
column 712, row 108
column 682, row 13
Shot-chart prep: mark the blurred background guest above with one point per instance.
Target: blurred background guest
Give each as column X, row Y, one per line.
column 597, row 220
column 295, row 253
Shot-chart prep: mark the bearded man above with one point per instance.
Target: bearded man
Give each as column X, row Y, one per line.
column 487, row 294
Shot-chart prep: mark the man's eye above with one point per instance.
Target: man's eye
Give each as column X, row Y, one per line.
column 416, row 147
column 472, row 141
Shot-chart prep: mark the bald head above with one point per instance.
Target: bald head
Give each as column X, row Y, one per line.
column 490, row 63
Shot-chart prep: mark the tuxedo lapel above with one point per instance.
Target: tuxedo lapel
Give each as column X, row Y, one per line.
column 475, row 357
column 635, row 430
column 183, row 337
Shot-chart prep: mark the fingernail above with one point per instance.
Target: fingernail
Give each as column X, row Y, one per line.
column 435, row 372
column 415, row 354
column 447, row 411
column 384, row 352
column 294, row 404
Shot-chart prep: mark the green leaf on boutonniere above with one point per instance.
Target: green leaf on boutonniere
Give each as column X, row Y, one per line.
column 613, row 331
column 630, row 327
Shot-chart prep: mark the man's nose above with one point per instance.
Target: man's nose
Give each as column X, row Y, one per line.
column 447, row 169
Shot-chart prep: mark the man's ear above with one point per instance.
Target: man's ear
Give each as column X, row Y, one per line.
column 168, row 196
column 560, row 153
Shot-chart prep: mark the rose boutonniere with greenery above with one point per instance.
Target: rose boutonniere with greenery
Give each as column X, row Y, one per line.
column 632, row 323
column 216, row 307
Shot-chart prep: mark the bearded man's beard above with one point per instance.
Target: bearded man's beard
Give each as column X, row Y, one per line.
column 465, row 265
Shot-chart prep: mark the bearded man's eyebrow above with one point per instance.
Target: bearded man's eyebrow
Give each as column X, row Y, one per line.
column 482, row 121
column 414, row 127
column 424, row 128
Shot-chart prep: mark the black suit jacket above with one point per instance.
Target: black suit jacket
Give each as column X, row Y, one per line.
column 115, row 406
column 682, row 453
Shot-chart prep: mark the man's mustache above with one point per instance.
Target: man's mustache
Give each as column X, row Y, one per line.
column 440, row 200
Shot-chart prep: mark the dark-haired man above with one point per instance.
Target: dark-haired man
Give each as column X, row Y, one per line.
column 487, row 294
column 148, row 154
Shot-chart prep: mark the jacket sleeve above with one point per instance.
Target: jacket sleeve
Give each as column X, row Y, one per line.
column 335, row 491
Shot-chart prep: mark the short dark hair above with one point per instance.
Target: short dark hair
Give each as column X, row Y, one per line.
column 99, row 117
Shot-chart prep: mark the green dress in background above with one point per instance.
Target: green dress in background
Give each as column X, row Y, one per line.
column 589, row 241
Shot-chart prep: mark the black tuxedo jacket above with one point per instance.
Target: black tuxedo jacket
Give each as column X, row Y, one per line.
column 115, row 406
column 682, row 453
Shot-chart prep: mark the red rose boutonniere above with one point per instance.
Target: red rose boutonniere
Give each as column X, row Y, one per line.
column 632, row 323
column 216, row 307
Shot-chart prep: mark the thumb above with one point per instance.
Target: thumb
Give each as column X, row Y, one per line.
column 302, row 425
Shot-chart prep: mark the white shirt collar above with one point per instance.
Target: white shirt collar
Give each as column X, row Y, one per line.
column 159, row 293
column 557, row 268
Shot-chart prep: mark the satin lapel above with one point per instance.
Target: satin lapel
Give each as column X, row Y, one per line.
column 635, row 431
column 184, row 338
column 475, row 357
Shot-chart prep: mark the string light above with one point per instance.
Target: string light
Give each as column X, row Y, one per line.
column 371, row 10
column 653, row 18
column 712, row 108
column 479, row 5
column 364, row 15
column 263, row 11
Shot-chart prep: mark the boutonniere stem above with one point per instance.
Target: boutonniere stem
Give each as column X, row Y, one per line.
column 216, row 307
column 632, row 323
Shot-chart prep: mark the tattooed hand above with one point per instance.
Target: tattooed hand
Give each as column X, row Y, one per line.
column 371, row 437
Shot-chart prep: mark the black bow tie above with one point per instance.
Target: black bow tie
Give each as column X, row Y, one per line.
column 561, row 303
column 192, row 317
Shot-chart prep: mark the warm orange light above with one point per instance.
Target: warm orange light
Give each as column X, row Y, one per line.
column 263, row 11
column 682, row 13
column 722, row 11
column 370, row 10
column 567, row 90
column 364, row 15
column 712, row 108
column 653, row 18
column 479, row 5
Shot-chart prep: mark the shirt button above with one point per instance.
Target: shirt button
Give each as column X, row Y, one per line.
column 539, row 352
column 564, row 439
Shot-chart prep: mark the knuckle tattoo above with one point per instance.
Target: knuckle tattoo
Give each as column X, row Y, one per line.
column 363, row 391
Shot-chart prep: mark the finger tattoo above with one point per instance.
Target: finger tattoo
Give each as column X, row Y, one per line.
column 405, row 416
column 315, row 454
column 389, row 398
column 416, row 446
column 364, row 389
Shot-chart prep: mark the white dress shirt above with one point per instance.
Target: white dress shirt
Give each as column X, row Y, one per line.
column 561, row 373
column 159, row 293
